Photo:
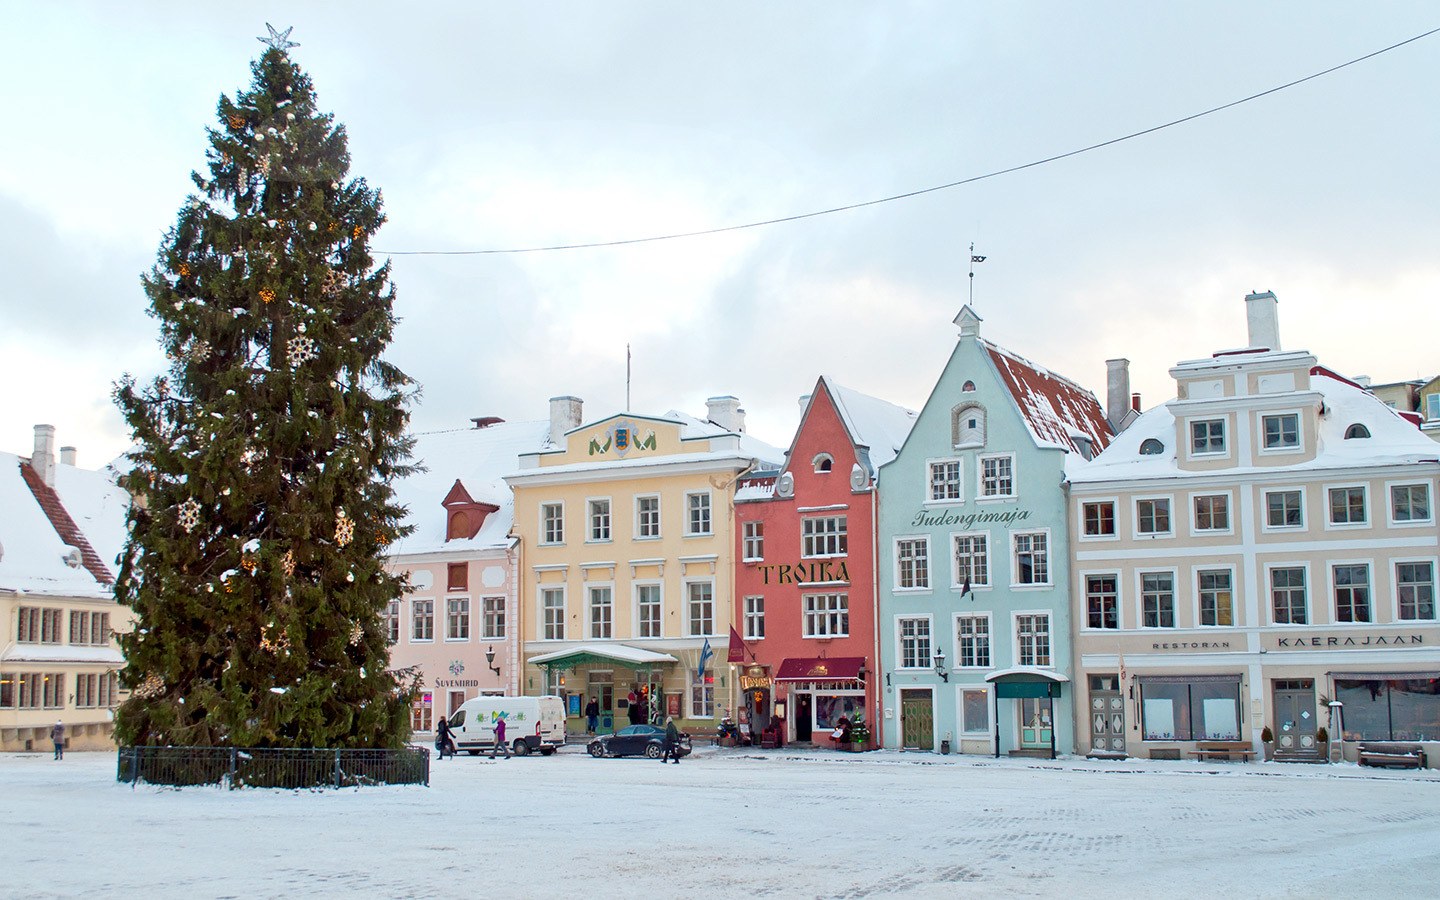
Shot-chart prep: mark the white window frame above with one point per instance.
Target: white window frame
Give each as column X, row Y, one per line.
column 926, row 659
column 1136, row 533
column 1264, row 510
column 1269, row 587
column 451, row 619
column 753, row 616
column 638, row 624
column 691, row 511
column 1395, row 564
column 955, row 464
column 641, row 526
column 752, row 541
column 1015, row 583
column 415, row 619
column 1334, row 599
column 1140, row 598
column 1194, row 500
column 1017, row 644
column 493, row 625
column 957, row 582
column 705, row 707
column 833, row 540
column 1223, row 452
column 980, row 495
column 390, row 618
column 547, row 534
column 821, row 612
column 544, row 631
column 687, row 585
column 987, row 704
column 989, row 640
column 1195, row 610
column 592, row 533
column 1115, row 576
column 591, row 589
column 1330, row 523
column 1086, row 536
column 924, row 539
column 1429, row 487
column 1283, row 449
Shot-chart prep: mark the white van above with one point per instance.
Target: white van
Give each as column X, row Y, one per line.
column 531, row 723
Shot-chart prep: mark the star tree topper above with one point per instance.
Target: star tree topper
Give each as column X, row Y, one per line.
column 279, row 40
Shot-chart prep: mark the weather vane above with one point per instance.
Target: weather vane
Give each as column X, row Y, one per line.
column 278, row 40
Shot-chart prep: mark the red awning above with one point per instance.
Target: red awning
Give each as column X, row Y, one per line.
column 836, row 668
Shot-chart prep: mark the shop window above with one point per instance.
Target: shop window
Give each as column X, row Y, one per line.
column 975, row 711
column 1190, row 710
column 1393, row 708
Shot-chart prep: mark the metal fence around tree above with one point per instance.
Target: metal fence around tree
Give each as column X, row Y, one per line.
column 271, row 767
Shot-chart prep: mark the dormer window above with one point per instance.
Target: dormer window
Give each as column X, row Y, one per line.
column 1151, row 447
column 967, row 426
column 823, row 462
column 1356, row 431
column 968, row 387
column 464, row 516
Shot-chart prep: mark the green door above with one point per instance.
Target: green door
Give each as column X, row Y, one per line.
column 1035, row 723
column 917, row 720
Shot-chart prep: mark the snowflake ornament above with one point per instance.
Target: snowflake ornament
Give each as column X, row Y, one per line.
column 332, row 283
column 300, row 350
column 150, row 688
column 188, row 515
column 200, row 350
column 344, row 528
column 356, row 633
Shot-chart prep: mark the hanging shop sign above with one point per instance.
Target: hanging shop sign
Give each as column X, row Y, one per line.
column 965, row 521
column 821, row 572
column 755, row 678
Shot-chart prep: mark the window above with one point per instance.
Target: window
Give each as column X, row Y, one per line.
column 972, row 560
column 915, row 644
column 975, row 712
column 697, row 509
column 390, row 619
column 599, row 516
column 997, row 476
column 972, row 640
column 422, row 620
column 945, row 480
column 700, row 596
column 647, row 517
column 552, row 604
column 1102, row 601
column 912, row 563
column 968, row 387
column 1212, row 512
column 50, row 626
column 1390, row 708
column 827, row 615
column 89, row 628
column 1410, row 502
column 1098, row 518
column 1217, row 599
column 1432, row 407
column 1287, row 595
column 1356, row 431
column 1152, row 516
column 1280, row 432
column 54, row 691
column 492, row 619
column 457, row 577
column 1207, row 436
column 1283, row 509
column 967, row 426
column 823, row 462
column 552, row 523
column 754, row 541
column 27, row 626
column 1415, row 589
column 1191, row 710
column 1151, row 447
column 1352, row 593
column 824, row 537
column 457, row 619
column 1032, row 558
column 754, row 618
column 1347, row 506
column 1032, row 637
column 647, row 607
column 702, row 695
column 602, row 612
column 1157, row 599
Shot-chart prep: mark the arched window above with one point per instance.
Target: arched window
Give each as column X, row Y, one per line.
column 1151, row 447
column 824, row 462
column 459, row 526
column 967, row 425
column 1356, row 431
column 968, row 387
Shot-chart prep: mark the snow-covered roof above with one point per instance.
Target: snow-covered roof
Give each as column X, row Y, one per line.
column 1055, row 409
column 478, row 458
column 59, row 541
column 1392, row 441
column 877, row 425
column 692, row 428
column 47, row 653
column 620, row 652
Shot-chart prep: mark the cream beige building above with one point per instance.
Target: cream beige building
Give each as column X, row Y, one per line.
column 626, row 538
column 1250, row 553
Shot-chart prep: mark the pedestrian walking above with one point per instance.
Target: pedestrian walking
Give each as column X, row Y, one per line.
column 444, row 743
column 57, row 734
column 500, row 739
column 672, row 742
column 592, row 716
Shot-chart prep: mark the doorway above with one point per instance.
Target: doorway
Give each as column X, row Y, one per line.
column 917, row 720
column 1036, row 726
column 1107, row 715
column 1295, row 717
column 804, row 717
column 457, row 700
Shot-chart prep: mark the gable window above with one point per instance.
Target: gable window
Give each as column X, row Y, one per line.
column 697, row 508
column 1352, row 593
column 824, row 536
column 1099, row 518
column 1102, row 601
column 1151, row 447
column 754, row 618
column 824, row 462
column 1212, row 512
column 552, row 603
column 914, row 643
column 422, row 620
column 1032, row 639
column 1207, row 436
column 1415, row 589
column 1032, row 558
column 967, row 388
column 700, row 599
column 647, row 609
column 457, row 577
column 492, row 618
column 967, row 426
column 945, row 480
column 552, row 523
column 1347, row 506
column 1152, row 516
column 457, row 619
column 827, row 615
column 754, row 541
column 1356, row 431
column 1280, row 432
column 599, row 519
column 1217, row 602
column 602, row 612
column 972, row 640
column 972, row 560
column 647, row 517
column 1287, row 595
column 1157, row 599
column 912, row 563
column 997, row 476
column 1410, row 502
column 1283, row 509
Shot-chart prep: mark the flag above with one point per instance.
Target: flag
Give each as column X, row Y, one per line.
column 737, row 647
column 705, row 654
column 1122, row 673
column 966, row 589
column 974, row 258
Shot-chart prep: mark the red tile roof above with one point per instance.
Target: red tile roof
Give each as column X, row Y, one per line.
column 65, row 526
column 1055, row 408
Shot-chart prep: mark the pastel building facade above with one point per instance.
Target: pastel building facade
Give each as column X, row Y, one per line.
column 61, row 528
column 1249, row 554
column 974, row 559
column 457, row 626
column 805, row 602
column 626, row 534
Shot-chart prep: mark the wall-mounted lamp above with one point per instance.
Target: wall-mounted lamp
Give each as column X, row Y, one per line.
column 490, row 660
column 940, row 669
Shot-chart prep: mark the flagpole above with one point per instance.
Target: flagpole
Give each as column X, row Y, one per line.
column 627, row 378
column 972, row 275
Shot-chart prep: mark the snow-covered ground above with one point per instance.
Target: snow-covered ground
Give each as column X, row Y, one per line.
column 733, row 823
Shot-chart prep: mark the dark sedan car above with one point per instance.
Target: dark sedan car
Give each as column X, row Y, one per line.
column 636, row 739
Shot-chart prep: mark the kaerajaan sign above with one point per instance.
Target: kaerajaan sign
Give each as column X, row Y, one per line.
column 966, row 521
column 1378, row 640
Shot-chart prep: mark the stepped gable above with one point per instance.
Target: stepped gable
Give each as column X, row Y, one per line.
column 65, row 526
column 1055, row 408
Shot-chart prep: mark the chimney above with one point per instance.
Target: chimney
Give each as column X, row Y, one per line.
column 804, row 403
column 1117, row 390
column 43, row 459
column 726, row 412
column 564, row 416
column 67, row 456
column 1263, row 320
column 1362, row 380
column 1135, row 402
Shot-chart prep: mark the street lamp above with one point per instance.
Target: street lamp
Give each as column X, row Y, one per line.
column 940, row 669
column 490, row 660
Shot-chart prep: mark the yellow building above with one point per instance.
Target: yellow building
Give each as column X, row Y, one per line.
column 626, row 538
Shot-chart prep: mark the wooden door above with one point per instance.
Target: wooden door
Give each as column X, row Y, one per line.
column 917, row 720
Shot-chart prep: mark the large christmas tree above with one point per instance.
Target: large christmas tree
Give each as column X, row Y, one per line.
column 265, row 457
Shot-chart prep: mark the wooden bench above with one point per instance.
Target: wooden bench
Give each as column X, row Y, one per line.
column 1392, row 753
column 1231, row 750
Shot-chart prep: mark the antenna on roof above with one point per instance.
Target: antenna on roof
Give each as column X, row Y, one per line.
column 973, row 260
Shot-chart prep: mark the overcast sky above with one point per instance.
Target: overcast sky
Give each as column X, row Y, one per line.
column 492, row 125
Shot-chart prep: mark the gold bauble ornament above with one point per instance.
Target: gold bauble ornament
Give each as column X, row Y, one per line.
column 267, row 295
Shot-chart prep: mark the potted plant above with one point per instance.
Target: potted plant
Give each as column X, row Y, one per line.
column 1322, row 741
column 1267, row 737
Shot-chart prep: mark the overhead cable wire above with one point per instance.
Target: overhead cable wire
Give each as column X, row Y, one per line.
column 928, row 190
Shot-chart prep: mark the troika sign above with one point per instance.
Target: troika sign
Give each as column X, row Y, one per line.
column 966, row 521
column 820, row 572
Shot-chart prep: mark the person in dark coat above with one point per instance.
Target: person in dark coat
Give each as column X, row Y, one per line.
column 57, row 734
column 672, row 742
column 444, row 743
column 500, row 739
column 592, row 716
